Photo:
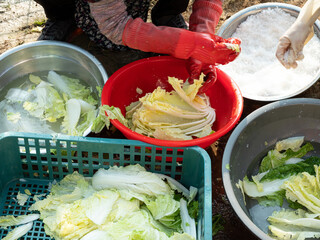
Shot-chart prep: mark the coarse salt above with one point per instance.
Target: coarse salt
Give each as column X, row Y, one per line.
column 257, row 71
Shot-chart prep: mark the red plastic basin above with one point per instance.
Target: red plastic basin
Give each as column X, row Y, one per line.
column 147, row 74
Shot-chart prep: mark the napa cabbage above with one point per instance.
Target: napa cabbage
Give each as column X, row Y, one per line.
column 22, row 224
column 284, row 150
column 61, row 99
column 180, row 114
column 305, row 189
column 267, row 187
column 289, row 177
column 19, row 231
column 10, row 220
column 118, row 203
column 47, row 105
column 281, row 163
column 71, row 88
column 294, row 224
column 133, row 177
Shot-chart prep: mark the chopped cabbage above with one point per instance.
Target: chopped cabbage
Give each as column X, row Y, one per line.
column 25, row 123
column 187, row 223
column 165, row 209
column 304, row 189
column 294, row 143
column 271, row 183
column 254, row 190
column 180, row 114
column 299, row 224
column 22, row 198
column 48, row 104
column 18, row 232
column 133, row 177
column 13, row 117
column 97, row 235
column 105, row 114
column 10, row 220
column 293, row 234
column 83, row 208
column 289, row 177
column 99, row 205
column 71, row 87
column 62, row 104
column 284, row 150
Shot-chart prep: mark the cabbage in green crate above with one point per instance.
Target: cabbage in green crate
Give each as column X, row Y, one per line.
column 118, row 203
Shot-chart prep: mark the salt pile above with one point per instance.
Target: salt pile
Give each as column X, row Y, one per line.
column 257, row 71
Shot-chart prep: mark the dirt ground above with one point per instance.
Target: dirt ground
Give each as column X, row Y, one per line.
column 19, row 20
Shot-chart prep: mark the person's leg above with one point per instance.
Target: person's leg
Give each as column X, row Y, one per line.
column 60, row 19
column 168, row 13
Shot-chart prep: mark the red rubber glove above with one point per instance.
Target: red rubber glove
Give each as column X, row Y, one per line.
column 196, row 67
column 179, row 43
column 204, row 18
column 205, row 15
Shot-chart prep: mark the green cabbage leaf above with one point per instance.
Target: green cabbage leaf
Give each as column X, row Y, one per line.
column 284, row 150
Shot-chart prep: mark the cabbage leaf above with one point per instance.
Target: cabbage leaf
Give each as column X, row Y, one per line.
column 10, row 220
column 283, row 151
column 133, row 177
column 180, row 114
column 118, row 203
column 299, row 224
column 48, row 104
column 18, row 232
column 305, row 189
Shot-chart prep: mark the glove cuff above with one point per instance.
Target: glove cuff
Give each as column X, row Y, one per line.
column 129, row 32
column 205, row 16
column 205, row 4
column 149, row 38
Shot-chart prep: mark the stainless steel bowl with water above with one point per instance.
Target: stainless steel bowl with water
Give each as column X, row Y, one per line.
column 250, row 141
column 41, row 56
column 228, row 28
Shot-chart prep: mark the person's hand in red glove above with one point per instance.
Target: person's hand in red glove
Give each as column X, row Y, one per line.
column 196, row 67
column 179, row 43
column 204, row 18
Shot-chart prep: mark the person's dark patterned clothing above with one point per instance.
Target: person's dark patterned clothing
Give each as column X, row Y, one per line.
column 84, row 20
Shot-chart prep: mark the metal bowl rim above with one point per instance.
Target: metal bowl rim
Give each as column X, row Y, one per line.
column 59, row 44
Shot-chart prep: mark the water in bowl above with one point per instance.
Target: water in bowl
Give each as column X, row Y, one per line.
column 28, row 123
column 258, row 213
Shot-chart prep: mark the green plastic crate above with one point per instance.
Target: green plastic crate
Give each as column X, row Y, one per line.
column 33, row 161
